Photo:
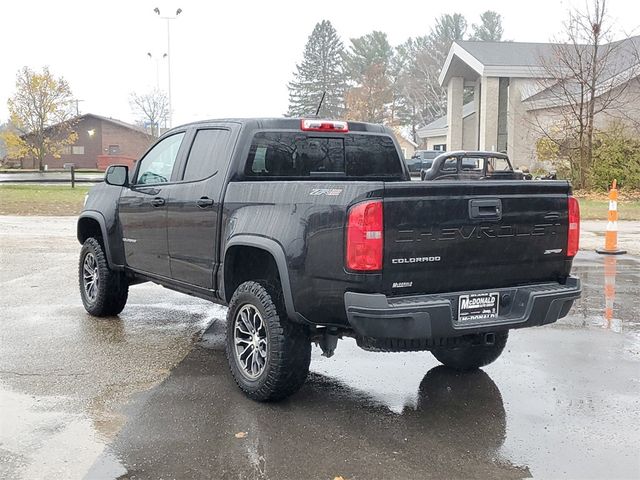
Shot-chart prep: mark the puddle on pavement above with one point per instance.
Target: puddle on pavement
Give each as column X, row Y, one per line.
column 40, row 439
column 336, row 425
column 61, row 406
column 610, row 293
column 367, row 415
column 376, row 414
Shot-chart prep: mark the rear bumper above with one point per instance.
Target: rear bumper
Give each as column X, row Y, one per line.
column 435, row 316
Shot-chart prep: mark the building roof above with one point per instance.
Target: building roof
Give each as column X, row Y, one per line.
column 507, row 53
column 622, row 65
column 439, row 126
column 472, row 59
column 115, row 121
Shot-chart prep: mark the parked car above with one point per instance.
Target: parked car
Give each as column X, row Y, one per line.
column 421, row 159
column 471, row 165
column 311, row 231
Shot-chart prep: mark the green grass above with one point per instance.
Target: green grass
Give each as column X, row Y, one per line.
column 597, row 209
column 63, row 200
column 41, row 199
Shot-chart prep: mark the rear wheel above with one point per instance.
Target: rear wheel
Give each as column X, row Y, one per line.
column 268, row 355
column 103, row 291
column 471, row 357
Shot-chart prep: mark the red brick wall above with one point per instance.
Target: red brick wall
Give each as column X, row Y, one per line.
column 132, row 143
column 105, row 160
column 91, row 143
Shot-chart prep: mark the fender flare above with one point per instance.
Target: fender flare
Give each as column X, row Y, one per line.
column 277, row 252
column 98, row 217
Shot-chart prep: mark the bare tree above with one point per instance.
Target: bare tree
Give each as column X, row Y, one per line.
column 40, row 116
column 152, row 109
column 586, row 75
column 423, row 99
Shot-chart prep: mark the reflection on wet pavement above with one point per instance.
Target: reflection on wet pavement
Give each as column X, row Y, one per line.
column 187, row 428
column 610, row 271
column 553, row 406
column 148, row 393
column 611, row 292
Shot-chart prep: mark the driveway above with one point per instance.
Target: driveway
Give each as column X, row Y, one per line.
column 593, row 231
column 148, row 394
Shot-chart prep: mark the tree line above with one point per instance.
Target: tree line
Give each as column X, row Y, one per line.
column 371, row 80
column 43, row 115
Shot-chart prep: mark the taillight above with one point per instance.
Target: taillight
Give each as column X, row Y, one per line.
column 573, row 240
column 365, row 237
column 324, row 126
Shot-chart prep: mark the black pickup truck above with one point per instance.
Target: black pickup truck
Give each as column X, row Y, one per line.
column 311, row 230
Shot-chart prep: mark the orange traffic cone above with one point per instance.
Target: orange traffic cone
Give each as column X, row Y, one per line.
column 611, row 235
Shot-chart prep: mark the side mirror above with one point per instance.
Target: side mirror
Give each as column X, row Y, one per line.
column 117, row 175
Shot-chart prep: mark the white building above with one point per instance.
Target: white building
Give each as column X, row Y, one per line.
column 511, row 94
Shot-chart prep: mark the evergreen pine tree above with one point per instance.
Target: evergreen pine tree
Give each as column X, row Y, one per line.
column 490, row 27
column 321, row 71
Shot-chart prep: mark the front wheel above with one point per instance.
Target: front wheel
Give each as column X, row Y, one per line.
column 471, row 357
column 103, row 291
column 268, row 355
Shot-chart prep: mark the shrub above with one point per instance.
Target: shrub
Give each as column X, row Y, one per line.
column 616, row 154
column 557, row 154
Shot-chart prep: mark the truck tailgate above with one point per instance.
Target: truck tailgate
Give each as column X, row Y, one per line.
column 455, row 236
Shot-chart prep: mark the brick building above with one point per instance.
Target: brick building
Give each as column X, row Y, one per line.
column 101, row 142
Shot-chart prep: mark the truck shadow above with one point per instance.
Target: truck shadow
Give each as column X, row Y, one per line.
column 197, row 424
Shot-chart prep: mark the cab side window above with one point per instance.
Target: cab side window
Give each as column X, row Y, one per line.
column 157, row 165
column 472, row 165
column 207, row 155
column 498, row 165
column 450, row 165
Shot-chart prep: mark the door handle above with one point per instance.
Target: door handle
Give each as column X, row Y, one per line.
column 485, row 209
column 205, row 202
column 157, row 202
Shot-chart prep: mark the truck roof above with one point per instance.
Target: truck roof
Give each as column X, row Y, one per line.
column 281, row 123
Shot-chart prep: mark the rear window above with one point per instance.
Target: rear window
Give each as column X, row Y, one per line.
column 292, row 154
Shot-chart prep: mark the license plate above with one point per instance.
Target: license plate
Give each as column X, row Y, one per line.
column 478, row 306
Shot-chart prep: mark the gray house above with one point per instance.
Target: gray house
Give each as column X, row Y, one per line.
column 515, row 95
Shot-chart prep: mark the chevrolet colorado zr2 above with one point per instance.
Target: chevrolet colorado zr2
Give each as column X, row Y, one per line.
column 312, row 230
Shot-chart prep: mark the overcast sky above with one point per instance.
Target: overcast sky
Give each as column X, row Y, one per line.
column 229, row 58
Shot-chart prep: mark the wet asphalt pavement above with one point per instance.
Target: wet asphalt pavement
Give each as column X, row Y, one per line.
column 148, row 394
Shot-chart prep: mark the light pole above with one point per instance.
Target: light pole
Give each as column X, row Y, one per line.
column 168, row 19
column 157, row 58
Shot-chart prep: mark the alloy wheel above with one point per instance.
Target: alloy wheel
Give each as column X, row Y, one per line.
column 90, row 277
column 250, row 341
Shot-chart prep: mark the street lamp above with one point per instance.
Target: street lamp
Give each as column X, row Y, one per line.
column 168, row 54
column 157, row 58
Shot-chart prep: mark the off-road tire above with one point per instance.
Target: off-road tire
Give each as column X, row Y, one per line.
column 112, row 288
column 288, row 345
column 471, row 357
